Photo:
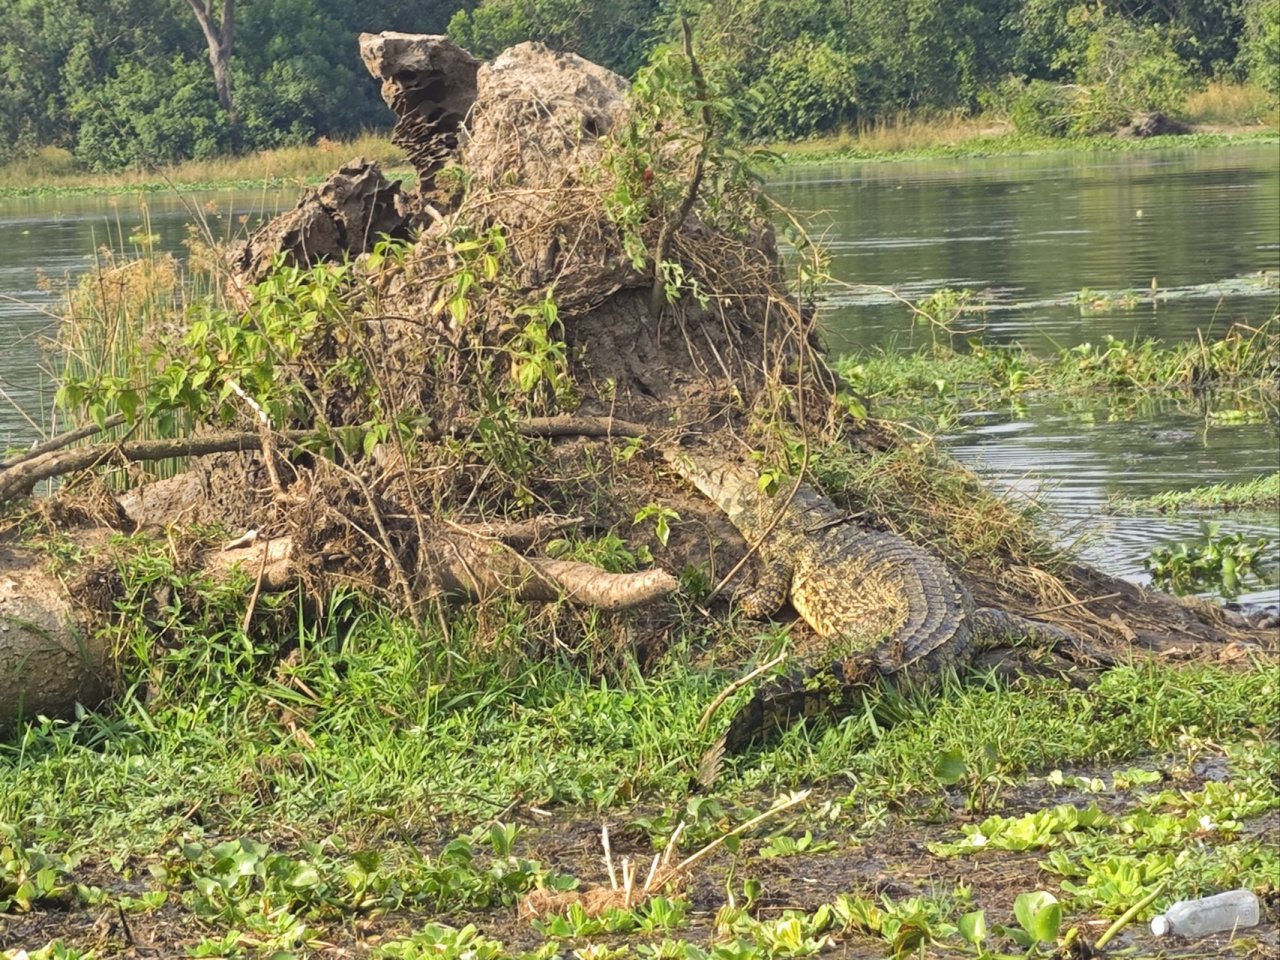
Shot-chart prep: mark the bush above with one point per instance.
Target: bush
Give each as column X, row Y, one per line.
column 1131, row 69
column 807, row 87
column 150, row 115
column 1038, row 108
column 1126, row 69
column 1260, row 54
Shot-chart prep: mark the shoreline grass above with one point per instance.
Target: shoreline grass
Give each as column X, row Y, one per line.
column 1222, row 115
column 975, row 140
column 52, row 170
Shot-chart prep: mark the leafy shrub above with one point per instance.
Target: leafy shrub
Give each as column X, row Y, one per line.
column 1260, row 54
column 148, row 115
column 1121, row 68
column 807, row 87
column 1038, row 108
column 1130, row 69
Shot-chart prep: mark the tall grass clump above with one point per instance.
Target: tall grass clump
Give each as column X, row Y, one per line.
column 117, row 320
column 1233, row 105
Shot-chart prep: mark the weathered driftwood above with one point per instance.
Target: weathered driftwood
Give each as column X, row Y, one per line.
column 18, row 477
column 48, row 662
column 50, row 659
column 464, row 566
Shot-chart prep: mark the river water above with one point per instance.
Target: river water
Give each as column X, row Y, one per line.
column 1193, row 236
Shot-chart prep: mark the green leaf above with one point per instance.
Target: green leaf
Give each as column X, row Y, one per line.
column 950, row 768
column 1040, row 915
column 973, row 927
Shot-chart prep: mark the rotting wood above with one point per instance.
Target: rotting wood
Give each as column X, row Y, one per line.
column 51, row 658
column 19, row 479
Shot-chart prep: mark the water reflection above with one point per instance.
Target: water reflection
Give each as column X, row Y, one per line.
column 1028, row 234
column 48, row 242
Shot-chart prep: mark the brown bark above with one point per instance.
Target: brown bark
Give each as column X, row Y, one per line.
column 48, row 663
column 220, row 38
column 465, row 566
column 50, row 659
column 62, row 440
column 19, row 476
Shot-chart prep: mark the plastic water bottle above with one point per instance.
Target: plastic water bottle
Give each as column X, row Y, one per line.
column 1198, row 918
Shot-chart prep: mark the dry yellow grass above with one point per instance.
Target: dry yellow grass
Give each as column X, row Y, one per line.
column 1233, row 105
column 902, row 132
column 53, row 167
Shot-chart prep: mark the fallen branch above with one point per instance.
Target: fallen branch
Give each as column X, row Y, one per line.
column 62, row 440
column 462, row 566
column 19, row 479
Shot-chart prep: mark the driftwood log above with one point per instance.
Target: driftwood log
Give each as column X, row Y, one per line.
column 51, row 657
column 48, row 661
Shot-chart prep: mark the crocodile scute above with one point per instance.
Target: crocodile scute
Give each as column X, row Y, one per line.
column 879, row 604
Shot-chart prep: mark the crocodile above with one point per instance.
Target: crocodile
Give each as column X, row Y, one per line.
column 879, row 604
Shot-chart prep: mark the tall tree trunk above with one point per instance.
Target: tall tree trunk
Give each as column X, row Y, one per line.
column 221, row 40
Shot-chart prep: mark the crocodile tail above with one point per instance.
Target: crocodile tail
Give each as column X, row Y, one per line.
column 710, row 764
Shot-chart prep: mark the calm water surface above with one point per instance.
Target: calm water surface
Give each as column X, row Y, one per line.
column 1197, row 232
column 46, row 242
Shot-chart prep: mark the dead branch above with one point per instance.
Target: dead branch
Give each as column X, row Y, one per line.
column 20, row 478
column 62, row 440
column 460, row 565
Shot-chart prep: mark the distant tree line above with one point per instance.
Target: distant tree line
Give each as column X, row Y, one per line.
column 142, row 82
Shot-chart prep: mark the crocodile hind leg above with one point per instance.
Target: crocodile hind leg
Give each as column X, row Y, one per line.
column 772, row 585
column 994, row 628
column 776, row 705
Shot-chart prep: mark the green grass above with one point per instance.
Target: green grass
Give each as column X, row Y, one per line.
column 1240, row 368
column 53, row 171
column 960, row 141
column 1260, row 493
column 269, row 788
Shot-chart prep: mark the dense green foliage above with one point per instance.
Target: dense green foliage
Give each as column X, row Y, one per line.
column 122, row 82
column 129, row 82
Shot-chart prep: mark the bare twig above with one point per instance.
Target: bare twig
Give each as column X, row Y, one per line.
column 734, row 687
column 657, row 293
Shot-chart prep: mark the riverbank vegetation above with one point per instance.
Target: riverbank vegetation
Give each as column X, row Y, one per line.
column 363, row 758
column 143, row 84
column 1260, row 494
column 956, row 374
column 53, row 170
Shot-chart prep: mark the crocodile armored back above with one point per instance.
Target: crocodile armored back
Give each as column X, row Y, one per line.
column 878, row 604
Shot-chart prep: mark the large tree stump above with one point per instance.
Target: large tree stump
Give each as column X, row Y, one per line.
column 48, row 661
